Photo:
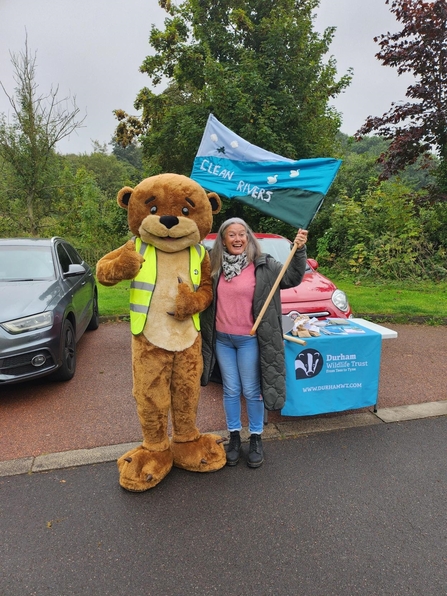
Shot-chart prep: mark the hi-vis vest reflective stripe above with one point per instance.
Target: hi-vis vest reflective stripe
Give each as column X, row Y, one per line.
column 143, row 285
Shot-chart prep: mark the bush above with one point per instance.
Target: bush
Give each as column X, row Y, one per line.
column 387, row 233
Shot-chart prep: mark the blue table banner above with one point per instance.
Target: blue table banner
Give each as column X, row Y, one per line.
column 332, row 373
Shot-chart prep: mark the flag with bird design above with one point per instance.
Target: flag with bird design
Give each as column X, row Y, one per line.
column 289, row 190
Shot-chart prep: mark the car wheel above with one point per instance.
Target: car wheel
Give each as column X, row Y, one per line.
column 68, row 367
column 94, row 321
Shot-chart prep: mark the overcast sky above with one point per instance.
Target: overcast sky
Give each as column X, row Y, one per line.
column 92, row 49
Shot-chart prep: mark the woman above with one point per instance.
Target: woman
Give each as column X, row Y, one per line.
column 250, row 365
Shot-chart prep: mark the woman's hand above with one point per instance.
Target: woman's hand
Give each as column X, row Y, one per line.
column 300, row 238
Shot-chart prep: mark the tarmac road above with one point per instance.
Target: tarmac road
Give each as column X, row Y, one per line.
column 96, row 407
column 359, row 511
column 356, row 510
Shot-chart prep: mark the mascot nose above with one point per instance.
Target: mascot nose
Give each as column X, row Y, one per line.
column 169, row 221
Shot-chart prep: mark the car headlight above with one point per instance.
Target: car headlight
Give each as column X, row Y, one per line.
column 340, row 300
column 43, row 319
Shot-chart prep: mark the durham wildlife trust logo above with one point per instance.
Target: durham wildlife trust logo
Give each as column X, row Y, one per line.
column 308, row 364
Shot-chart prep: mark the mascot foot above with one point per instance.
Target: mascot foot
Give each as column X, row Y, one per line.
column 141, row 469
column 205, row 454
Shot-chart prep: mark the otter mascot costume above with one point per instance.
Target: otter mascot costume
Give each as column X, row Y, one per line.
column 169, row 215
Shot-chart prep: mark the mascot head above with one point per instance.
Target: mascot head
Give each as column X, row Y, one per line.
column 169, row 211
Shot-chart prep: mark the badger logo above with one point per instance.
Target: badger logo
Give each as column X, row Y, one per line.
column 308, row 364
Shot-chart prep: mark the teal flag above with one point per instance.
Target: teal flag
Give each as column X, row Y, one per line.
column 289, row 190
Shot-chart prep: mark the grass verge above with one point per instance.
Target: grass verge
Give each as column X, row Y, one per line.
column 424, row 302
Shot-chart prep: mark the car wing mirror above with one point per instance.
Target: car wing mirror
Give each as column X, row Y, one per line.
column 75, row 269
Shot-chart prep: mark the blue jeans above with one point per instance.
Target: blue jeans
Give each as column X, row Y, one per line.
column 239, row 363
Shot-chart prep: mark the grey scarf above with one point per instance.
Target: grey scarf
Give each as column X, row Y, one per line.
column 232, row 265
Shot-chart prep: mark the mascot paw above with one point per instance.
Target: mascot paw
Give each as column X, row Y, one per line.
column 129, row 262
column 205, row 454
column 185, row 305
column 141, row 469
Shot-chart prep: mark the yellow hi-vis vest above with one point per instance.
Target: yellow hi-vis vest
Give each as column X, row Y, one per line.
column 143, row 285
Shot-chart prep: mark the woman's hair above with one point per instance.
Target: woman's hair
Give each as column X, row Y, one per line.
column 253, row 249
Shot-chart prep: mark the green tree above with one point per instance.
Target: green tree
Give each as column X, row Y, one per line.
column 131, row 154
column 84, row 214
column 258, row 65
column 28, row 143
column 109, row 172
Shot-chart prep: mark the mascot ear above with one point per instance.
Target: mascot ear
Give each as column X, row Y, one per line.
column 123, row 197
column 215, row 202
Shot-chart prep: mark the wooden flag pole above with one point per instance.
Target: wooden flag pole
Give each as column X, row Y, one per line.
column 294, row 339
column 273, row 290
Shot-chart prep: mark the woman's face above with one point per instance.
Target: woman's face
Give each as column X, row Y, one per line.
column 235, row 239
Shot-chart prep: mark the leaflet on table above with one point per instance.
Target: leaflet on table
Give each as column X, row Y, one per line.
column 338, row 327
column 303, row 326
column 334, row 321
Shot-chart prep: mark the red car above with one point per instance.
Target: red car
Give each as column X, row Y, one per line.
column 316, row 296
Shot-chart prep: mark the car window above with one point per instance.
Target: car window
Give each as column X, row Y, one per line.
column 278, row 248
column 63, row 258
column 26, row 263
column 74, row 255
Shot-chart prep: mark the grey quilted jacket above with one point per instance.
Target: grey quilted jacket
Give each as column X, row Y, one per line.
column 269, row 333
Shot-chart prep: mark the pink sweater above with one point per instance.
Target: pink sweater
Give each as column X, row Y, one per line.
column 234, row 312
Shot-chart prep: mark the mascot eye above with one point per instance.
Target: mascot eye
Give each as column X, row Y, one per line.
column 185, row 211
column 153, row 209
